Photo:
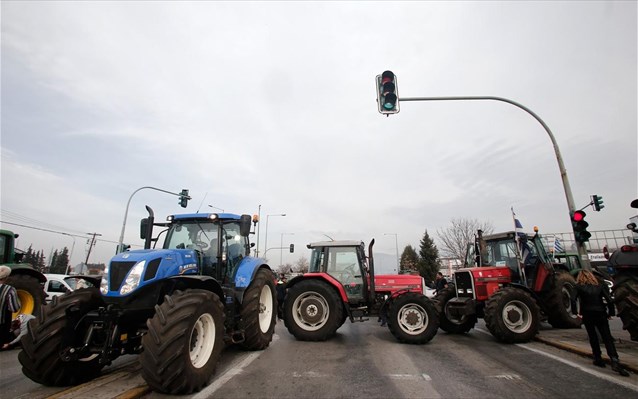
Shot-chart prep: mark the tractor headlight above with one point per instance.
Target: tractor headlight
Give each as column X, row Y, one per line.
column 104, row 284
column 133, row 278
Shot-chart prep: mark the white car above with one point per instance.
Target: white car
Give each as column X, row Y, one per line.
column 56, row 285
column 60, row 284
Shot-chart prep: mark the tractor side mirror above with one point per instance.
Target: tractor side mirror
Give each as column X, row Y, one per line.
column 143, row 228
column 244, row 225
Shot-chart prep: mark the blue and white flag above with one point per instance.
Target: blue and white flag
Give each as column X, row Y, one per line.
column 558, row 247
column 522, row 243
column 518, row 227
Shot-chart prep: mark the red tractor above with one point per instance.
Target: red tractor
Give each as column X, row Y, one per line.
column 510, row 281
column 341, row 284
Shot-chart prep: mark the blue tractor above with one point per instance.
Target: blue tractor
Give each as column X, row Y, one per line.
column 176, row 307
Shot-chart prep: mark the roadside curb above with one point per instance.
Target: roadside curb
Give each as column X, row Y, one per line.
column 579, row 351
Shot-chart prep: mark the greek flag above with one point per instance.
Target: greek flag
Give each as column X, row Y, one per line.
column 558, row 247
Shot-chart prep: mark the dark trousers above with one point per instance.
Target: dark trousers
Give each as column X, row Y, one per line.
column 5, row 328
column 598, row 321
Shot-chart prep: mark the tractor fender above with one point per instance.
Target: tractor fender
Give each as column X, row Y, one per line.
column 324, row 277
column 246, row 274
column 524, row 288
column 27, row 270
column 199, row 282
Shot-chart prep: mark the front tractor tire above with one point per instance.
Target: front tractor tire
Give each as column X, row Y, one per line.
column 41, row 356
column 626, row 299
column 559, row 302
column 258, row 311
column 184, row 342
column 313, row 310
column 447, row 321
column 30, row 292
column 413, row 319
column 512, row 315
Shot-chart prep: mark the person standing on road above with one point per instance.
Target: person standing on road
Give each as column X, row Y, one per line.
column 9, row 304
column 596, row 307
column 19, row 329
column 441, row 283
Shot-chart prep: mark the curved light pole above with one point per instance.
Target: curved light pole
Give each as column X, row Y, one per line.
column 281, row 247
column 266, row 234
column 214, row 207
column 121, row 241
column 396, row 243
column 582, row 251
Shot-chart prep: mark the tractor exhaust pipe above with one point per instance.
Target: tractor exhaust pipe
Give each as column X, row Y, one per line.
column 371, row 264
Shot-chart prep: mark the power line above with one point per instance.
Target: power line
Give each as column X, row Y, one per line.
column 41, row 229
column 25, row 219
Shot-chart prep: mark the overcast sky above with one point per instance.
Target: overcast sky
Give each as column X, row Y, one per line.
column 274, row 104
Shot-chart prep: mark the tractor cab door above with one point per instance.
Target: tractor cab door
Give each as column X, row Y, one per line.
column 343, row 263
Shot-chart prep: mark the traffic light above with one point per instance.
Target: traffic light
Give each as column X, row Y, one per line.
column 183, row 198
column 387, row 93
column 597, row 201
column 579, row 224
column 292, row 248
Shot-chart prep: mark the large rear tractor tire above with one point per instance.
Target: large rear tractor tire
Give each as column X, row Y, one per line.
column 184, row 342
column 313, row 311
column 448, row 322
column 41, row 356
column 30, row 292
column 559, row 302
column 626, row 299
column 258, row 311
column 512, row 315
column 413, row 319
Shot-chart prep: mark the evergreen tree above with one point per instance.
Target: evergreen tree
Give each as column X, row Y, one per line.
column 40, row 262
column 61, row 261
column 30, row 257
column 429, row 258
column 409, row 259
column 52, row 264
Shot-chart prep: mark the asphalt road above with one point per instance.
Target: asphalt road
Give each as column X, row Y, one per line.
column 365, row 361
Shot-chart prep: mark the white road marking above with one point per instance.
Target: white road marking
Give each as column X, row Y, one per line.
column 582, row 368
column 224, row 378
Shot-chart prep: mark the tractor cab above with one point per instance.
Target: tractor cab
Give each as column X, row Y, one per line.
column 345, row 262
column 524, row 256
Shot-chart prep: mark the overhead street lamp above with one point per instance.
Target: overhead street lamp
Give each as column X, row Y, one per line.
column 396, row 243
column 281, row 247
column 266, row 234
column 183, row 196
column 582, row 250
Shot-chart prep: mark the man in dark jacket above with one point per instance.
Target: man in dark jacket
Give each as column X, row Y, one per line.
column 441, row 283
column 596, row 306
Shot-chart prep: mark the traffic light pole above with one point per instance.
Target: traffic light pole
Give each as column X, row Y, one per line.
column 582, row 251
column 121, row 241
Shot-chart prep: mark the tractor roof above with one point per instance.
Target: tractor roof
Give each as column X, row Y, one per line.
column 205, row 216
column 342, row 243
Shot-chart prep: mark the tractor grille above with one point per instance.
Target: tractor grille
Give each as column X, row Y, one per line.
column 117, row 273
column 463, row 282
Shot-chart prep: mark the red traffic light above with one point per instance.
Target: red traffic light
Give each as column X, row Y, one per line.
column 578, row 216
column 387, row 76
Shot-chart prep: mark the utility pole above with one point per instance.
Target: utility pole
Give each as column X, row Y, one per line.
column 86, row 262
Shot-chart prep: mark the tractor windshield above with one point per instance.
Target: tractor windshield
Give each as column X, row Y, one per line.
column 191, row 235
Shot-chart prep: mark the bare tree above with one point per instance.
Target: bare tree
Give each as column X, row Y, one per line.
column 455, row 238
column 301, row 266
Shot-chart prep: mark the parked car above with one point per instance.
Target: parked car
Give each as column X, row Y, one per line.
column 56, row 285
column 59, row 284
